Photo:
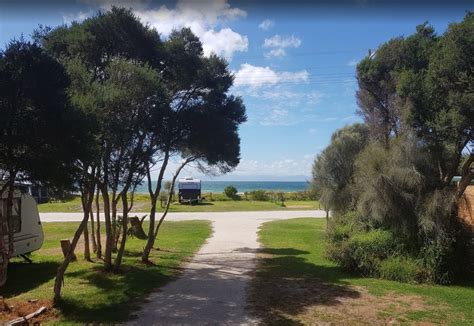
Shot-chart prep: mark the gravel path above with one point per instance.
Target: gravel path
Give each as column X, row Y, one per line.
column 211, row 289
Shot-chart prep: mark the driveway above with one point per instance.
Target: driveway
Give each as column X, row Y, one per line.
column 211, row 290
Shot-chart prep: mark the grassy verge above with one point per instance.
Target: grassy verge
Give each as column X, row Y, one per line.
column 218, row 204
column 295, row 283
column 90, row 295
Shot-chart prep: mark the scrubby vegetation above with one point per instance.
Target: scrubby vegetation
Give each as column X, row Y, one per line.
column 389, row 181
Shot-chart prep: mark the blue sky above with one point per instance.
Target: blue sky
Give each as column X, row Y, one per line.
column 294, row 64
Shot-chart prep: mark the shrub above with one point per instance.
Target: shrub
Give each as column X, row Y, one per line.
column 230, row 191
column 259, row 195
column 402, row 269
column 360, row 251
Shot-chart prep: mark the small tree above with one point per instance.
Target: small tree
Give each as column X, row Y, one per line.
column 230, row 191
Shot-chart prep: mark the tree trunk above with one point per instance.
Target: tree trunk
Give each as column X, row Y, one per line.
column 4, row 254
column 153, row 198
column 165, row 212
column 121, row 249
column 99, row 241
column 109, row 240
column 114, row 235
column 94, row 243
column 87, row 249
column 58, row 282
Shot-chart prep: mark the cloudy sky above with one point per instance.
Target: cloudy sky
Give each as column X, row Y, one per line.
column 294, row 63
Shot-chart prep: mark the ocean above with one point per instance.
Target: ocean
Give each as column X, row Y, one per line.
column 243, row 186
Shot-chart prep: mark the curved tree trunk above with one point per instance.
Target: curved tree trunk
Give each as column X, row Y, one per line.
column 153, row 198
column 58, row 282
column 94, row 243
column 165, row 212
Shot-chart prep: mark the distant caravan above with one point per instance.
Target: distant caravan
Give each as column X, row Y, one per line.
column 27, row 229
column 189, row 190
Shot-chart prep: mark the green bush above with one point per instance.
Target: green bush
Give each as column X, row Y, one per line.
column 230, row 191
column 301, row 195
column 360, row 251
column 403, row 269
column 260, row 195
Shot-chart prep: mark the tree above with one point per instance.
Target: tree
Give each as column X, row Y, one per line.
column 378, row 77
column 200, row 123
column 94, row 52
column 230, row 191
column 333, row 169
column 41, row 135
column 445, row 119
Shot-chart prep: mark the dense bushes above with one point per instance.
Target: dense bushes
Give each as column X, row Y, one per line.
column 396, row 169
column 371, row 251
column 230, row 191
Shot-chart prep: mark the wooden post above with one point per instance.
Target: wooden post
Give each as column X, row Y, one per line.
column 65, row 245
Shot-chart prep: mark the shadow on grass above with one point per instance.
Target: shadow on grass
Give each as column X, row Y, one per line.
column 205, row 203
column 285, row 285
column 124, row 293
column 23, row 277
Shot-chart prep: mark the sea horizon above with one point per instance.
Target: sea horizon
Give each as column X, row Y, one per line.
column 243, row 186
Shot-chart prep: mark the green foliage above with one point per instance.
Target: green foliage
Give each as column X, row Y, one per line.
column 260, row 195
column 41, row 134
column 402, row 269
column 334, row 167
column 362, row 251
column 230, row 191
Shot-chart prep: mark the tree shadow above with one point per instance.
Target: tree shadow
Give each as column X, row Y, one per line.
column 23, row 277
column 201, row 203
column 286, row 285
column 124, row 292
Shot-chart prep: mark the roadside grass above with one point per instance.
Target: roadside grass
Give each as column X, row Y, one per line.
column 218, row 204
column 295, row 283
column 90, row 294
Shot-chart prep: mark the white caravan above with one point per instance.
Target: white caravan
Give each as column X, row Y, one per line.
column 27, row 228
column 189, row 190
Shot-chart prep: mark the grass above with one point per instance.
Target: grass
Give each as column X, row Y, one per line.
column 294, row 254
column 219, row 203
column 91, row 295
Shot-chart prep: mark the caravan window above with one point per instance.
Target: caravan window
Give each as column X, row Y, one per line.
column 16, row 213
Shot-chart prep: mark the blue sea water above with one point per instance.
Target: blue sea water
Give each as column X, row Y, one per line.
column 243, row 186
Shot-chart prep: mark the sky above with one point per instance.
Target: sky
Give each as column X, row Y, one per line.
column 294, row 62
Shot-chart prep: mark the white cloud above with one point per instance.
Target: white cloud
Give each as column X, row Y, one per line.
column 79, row 17
column 224, row 42
column 255, row 76
column 312, row 131
column 278, row 41
column 266, row 24
column 353, row 63
column 206, row 18
column 280, row 52
column 277, row 117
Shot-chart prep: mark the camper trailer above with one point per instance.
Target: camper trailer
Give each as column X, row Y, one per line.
column 189, row 190
column 27, row 229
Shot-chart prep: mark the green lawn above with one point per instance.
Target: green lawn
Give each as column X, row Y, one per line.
column 296, row 283
column 141, row 204
column 90, row 295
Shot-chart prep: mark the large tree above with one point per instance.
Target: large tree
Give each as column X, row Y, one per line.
column 378, row 77
column 99, row 48
column 200, row 122
column 40, row 133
